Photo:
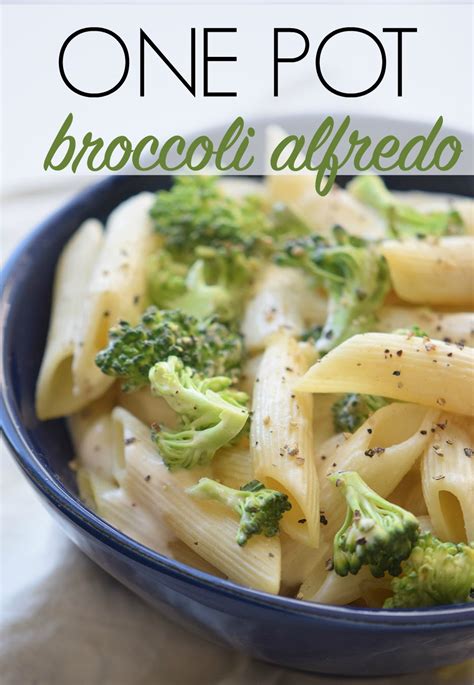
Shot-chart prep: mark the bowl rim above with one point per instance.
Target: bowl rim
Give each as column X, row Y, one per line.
column 61, row 498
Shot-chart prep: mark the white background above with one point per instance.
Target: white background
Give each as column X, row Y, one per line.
column 438, row 70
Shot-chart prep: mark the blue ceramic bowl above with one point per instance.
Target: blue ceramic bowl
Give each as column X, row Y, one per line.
column 311, row 637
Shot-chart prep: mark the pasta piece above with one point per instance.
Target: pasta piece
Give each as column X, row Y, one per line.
column 338, row 590
column 281, row 436
column 409, row 494
column 91, row 432
column 117, row 507
column 410, row 369
column 382, row 451
column 185, row 555
column 439, row 273
column 117, row 289
column 448, row 479
column 233, row 465
column 338, row 207
column 54, row 390
column 456, row 327
column 323, row 426
column 250, row 372
column 206, row 527
column 283, row 300
column 297, row 560
column 147, row 408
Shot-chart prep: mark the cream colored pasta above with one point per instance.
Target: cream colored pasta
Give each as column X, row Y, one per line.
column 281, row 440
column 297, row 560
column 148, row 408
column 428, row 272
column 410, row 369
column 91, row 431
column 345, row 590
column 233, row 465
column 321, row 213
column 323, row 426
column 283, row 300
column 182, row 553
column 206, row 527
column 448, row 479
column 116, row 291
column 54, row 391
column 250, row 373
column 119, row 508
column 451, row 326
column 409, row 493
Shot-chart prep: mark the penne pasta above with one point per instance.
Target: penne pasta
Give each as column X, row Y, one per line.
column 147, row 408
column 233, row 465
column 283, row 300
column 409, row 369
column 345, row 590
column 451, row 327
column 409, row 493
column 208, row 528
column 438, row 273
column 55, row 388
column 91, row 432
column 448, row 479
column 321, row 213
column 117, row 290
column 281, row 440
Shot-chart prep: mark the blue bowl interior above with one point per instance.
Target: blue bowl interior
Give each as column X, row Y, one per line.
column 27, row 285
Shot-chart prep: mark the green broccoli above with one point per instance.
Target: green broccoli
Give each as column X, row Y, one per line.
column 260, row 509
column 207, row 346
column 172, row 286
column 166, row 279
column 195, row 212
column 435, row 573
column 212, row 415
column 375, row 533
column 354, row 275
column 403, row 220
column 353, row 409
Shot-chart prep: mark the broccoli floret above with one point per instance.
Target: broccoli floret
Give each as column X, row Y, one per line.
column 435, row 573
column 260, row 509
column 375, row 533
column 173, row 286
column 403, row 220
column 166, row 279
column 196, row 213
column 211, row 413
column 353, row 409
column 207, row 346
column 354, row 275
